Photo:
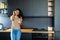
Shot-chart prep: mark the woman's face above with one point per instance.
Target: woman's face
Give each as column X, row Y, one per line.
column 17, row 12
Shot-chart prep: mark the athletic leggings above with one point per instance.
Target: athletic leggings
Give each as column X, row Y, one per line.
column 15, row 34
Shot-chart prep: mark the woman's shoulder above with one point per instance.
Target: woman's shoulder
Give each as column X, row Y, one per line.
column 11, row 16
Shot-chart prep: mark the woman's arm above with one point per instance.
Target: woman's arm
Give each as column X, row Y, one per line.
column 21, row 21
column 12, row 17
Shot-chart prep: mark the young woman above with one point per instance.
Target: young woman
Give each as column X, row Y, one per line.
column 16, row 19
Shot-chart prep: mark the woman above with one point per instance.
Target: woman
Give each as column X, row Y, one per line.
column 16, row 19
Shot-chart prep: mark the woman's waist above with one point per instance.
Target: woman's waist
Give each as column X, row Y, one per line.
column 15, row 30
column 15, row 27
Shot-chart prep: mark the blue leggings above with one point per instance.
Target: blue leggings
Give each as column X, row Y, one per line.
column 15, row 34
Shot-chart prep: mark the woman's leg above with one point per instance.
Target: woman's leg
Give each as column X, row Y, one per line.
column 18, row 35
column 12, row 35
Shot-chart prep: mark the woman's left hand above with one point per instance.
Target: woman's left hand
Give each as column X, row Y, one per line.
column 20, row 21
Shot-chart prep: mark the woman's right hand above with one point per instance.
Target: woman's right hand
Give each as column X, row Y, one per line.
column 13, row 13
column 13, row 16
